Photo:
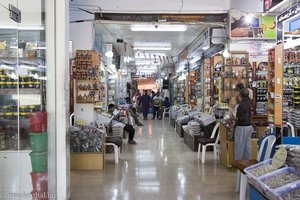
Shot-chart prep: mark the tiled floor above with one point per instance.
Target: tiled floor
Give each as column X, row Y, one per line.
column 161, row 166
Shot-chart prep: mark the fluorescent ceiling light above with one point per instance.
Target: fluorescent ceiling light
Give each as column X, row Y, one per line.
column 205, row 48
column 28, row 67
column 7, row 67
column 153, row 48
column 170, row 28
column 145, row 62
column 23, row 27
column 38, row 47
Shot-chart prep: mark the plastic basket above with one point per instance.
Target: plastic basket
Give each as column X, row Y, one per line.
column 39, row 161
column 39, row 142
column 272, row 193
column 288, row 188
column 251, row 178
column 39, row 181
column 38, row 121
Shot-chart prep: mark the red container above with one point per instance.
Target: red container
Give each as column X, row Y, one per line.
column 39, row 181
column 38, row 121
column 40, row 195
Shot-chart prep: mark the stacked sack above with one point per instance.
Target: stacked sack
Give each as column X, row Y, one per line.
column 39, row 155
column 194, row 128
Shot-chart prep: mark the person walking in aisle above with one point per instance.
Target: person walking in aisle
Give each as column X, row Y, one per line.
column 129, row 128
column 157, row 104
column 145, row 101
column 243, row 128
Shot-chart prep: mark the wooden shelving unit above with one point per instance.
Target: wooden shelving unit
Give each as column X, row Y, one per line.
column 217, row 62
column 275, row 82
column 88, row 77
column 271, row 85
column 235, row 70
column 192, row 81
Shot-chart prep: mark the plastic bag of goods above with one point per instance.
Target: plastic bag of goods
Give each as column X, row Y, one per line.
column 194, row 128
column 193, row 112
column 206, row 119
column 183, row 120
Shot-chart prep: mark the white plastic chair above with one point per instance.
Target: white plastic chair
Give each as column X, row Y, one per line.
column 166, row 111
column 117, row 150
column 214, row 143
column 292, row 128
column 241, row 179
column 71, row 119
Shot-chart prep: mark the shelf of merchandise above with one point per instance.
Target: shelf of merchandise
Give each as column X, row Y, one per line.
column 88, row 77
column 180, row 91
column 260, row 91
column 235, row 70
column 173, row 88
column 111, row 90
column 291, row 87
column 215, row 81
column 271, row 85
column 193, row 86
column 207, row 82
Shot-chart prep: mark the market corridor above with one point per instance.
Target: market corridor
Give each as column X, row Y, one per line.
column 161, row 166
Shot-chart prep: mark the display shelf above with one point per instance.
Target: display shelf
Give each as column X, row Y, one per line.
column 236, row 70
column 20, row 91
column 88, row 71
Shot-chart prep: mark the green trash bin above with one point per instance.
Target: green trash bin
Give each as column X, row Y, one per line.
column 39, row 142
column 39, row 161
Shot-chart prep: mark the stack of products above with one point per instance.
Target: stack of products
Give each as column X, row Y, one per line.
column 194, row 128
column 294, row 118
column 85, row 139
column 39, row 154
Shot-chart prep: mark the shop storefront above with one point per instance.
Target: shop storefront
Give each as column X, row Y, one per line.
column 33, row 125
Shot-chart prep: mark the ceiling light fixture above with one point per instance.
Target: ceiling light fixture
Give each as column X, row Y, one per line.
column 109, row 53
column 166, row 28
column 153, row 48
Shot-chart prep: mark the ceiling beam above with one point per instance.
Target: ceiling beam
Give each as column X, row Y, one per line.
column 185, row 18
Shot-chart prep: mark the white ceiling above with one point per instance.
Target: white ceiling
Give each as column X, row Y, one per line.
column 178, row 40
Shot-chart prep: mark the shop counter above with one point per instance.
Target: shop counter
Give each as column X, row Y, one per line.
column 179, row 129
column 227, row 146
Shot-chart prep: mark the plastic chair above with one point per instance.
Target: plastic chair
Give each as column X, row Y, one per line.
column 241, row 179
column 71, row 119
column 166, row 111
column 117, row 150
column 212, row 141
column 292, row 128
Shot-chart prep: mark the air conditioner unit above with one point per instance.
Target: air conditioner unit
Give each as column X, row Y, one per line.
column 218, row 35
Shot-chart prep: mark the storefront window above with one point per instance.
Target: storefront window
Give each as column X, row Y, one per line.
column 23, row 110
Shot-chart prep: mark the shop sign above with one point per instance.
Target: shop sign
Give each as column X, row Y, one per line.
column 252, row 26
column 288, row 14
column 268, row 4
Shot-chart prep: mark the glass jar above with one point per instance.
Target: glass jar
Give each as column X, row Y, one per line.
column 23, row 109
column 24, row 115
column 37, row 84
column 30, row 84
column 3, row 78
column 9, row 116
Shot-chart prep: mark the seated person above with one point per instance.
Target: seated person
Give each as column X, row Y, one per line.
column 132, row 112
column 166, row 103
column 128, row 128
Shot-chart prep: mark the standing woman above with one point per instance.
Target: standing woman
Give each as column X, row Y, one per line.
column 145, row 101
column 243, row 128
